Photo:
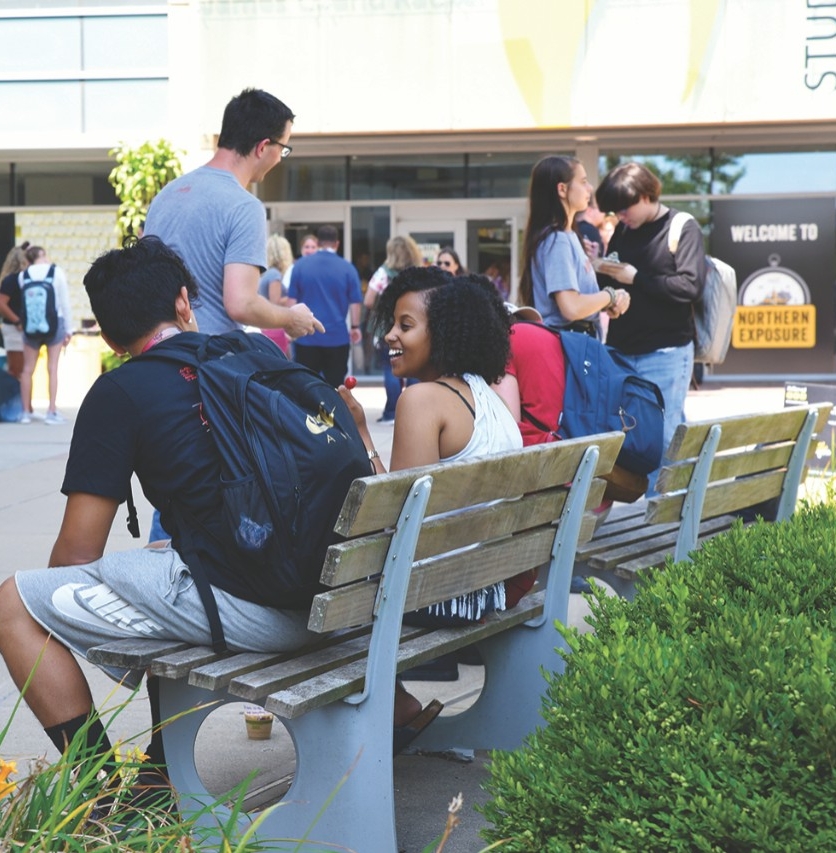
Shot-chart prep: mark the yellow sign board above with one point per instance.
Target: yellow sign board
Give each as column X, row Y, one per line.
column 774, row 327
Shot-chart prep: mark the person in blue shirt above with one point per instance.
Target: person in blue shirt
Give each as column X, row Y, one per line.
column 330, row 286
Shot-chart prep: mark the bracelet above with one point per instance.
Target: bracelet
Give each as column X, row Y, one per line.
column 611, row 293
column 373, row 454
column 355, row 327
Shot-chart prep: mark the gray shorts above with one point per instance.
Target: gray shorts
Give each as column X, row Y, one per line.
column 57, row 338
column 147, row 593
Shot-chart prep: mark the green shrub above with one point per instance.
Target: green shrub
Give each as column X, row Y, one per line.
column 110, row 361
column 700, row 717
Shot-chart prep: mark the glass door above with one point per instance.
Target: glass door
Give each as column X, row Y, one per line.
column 433, row 235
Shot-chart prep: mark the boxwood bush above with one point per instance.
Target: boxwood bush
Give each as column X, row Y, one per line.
column 699, row 717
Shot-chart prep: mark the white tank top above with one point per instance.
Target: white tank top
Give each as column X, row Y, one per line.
column 494, row 427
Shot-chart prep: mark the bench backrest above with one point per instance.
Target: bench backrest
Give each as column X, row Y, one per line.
column 743, row 460
column 507, row 504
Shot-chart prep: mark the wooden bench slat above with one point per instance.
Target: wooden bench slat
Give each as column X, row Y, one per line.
column 179, row 664
column 720, row 498
column 738, row 431
column 133, row 654
column 661, row 542
column 630, row 568
column 630, row 536
column 727, row 466
column 337, row 684
column 349, row 561
column 255, row 686
column 436, row 580
column 373, row 503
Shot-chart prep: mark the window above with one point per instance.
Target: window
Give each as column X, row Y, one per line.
column 411, row 176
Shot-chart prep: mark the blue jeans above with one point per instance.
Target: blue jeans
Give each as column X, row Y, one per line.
column 392, row 384
column 157, row 531
column 670, row 368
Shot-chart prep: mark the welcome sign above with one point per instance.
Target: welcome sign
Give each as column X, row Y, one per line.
column 783, row 251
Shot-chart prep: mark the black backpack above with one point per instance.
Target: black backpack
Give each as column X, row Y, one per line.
column 38, row 311
column 289, row 451
column 603, row 394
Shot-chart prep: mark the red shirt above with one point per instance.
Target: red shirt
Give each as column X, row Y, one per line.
column 537, row 364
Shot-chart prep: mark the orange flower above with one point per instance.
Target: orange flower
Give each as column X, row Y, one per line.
column 6, row 787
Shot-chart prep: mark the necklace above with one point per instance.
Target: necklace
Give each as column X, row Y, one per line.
column 167, row 332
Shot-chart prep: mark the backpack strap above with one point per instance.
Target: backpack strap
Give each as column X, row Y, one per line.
column 537, row 423
column 459, row 395
column 675, row 229
column 184, row 519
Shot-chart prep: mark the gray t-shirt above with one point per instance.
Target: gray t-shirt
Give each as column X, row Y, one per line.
column 560, row 263
column 210, row 220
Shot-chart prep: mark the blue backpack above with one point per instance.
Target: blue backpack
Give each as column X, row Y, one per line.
column 289, row 451
column 604, row 394
column 38, row 311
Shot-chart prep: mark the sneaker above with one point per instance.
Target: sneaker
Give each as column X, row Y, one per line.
column 25, row 419
column 53, row 418
column 580, row 585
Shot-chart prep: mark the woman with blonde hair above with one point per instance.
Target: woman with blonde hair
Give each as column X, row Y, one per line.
column 14, row 264
column 272, row 284
column 402, row 252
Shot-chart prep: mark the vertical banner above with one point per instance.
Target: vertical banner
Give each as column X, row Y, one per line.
column 784, row 251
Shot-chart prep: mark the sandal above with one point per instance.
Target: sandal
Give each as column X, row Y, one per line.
column 404, row 735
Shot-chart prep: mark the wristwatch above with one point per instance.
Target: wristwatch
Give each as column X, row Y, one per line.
column 373, row 454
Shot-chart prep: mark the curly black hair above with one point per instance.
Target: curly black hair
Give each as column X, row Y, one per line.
column 468, row 322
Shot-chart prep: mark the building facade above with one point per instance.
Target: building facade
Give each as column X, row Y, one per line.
column 426, row 116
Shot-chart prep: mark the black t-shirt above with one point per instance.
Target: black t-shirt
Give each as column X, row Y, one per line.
column 11, row 288
column 145, row 416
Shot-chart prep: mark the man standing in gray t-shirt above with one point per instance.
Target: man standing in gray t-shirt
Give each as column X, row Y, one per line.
column 218, row 227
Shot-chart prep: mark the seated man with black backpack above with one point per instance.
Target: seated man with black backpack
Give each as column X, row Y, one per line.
column 147, row 417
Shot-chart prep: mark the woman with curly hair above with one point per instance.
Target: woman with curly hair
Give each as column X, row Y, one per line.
column 450, row 333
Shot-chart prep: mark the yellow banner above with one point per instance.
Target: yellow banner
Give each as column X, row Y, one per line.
column 774, row 327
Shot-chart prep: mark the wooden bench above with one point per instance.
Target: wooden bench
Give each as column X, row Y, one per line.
column 412, row 538
column 713, row 469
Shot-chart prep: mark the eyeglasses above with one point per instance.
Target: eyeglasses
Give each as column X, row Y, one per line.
column 286, row 149
column 444, row 263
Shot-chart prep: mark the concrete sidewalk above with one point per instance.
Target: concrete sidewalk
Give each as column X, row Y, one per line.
column 32, row 459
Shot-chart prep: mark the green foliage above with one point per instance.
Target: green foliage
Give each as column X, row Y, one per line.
column 700, row 717
column 690, row 174
column 80, row 803
column 139, row 175
column 111, row 361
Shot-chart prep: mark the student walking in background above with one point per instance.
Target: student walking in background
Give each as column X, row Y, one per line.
column 330, row 286
column 401, row 253
column 54, row 335
column 14, row 264
column 272, row 285
column 449, row 260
